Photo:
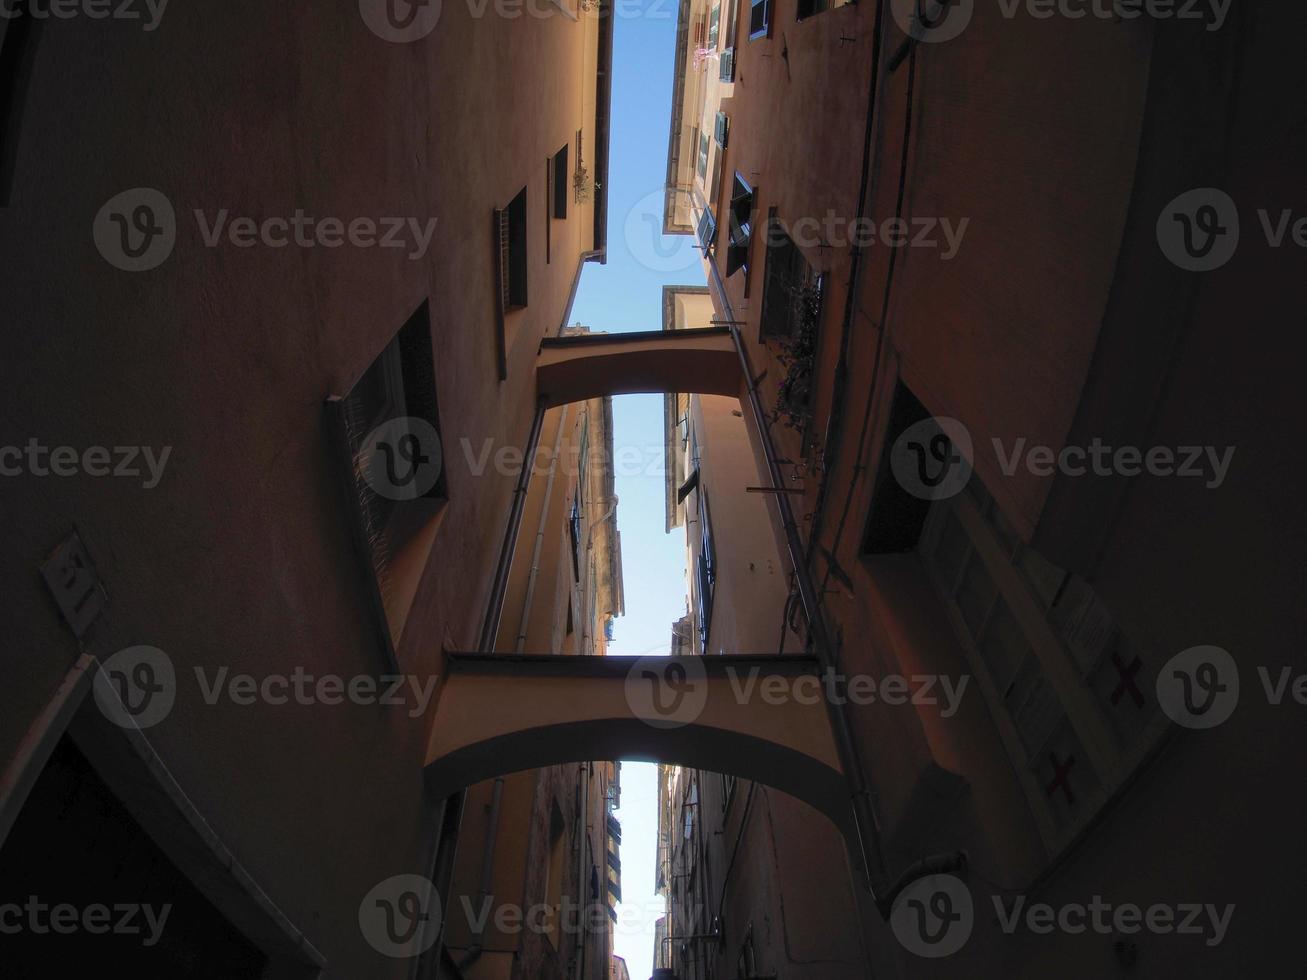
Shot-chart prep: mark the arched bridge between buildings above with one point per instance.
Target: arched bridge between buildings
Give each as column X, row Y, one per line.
column 502, row 714
column 498, row 713
column 701, row 360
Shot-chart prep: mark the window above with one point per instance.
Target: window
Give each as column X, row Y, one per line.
column 728, row 789
column 706, row 230
column 897, row 517
column 703, row 156
column 759, row 19
column 387, row 430
column 706, row 571
column 511, row 225
column 554, row 872
column 809, row 7
column 562, row 182
column 788, row 286
column 726, row 69
column 574, row 529
column 19, row 31
column 714, row 25
column 741, row 226
column 1060, row 675
column 720, row 129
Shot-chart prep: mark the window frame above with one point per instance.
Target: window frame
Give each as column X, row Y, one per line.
column 1111, row 758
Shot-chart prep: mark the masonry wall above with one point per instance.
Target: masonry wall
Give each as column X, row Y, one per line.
column 241, row 556
column 1058, row 320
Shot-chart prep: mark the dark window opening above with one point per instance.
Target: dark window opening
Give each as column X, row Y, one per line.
column 759, row 19
column 809, row 7
column 706, row 572
column 897, row 517
column 721, row 129
column 788, row 281
column 703, row 156
column 512, row 252
column 562, row 183
column 19, row 32
column 574, row 530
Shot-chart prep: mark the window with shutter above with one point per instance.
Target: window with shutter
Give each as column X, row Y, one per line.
column 393, row 526
column 1059, row 673
column 759, row 19
column 726, row 72
column 741, row 225
column 787, row 274
column 720, row 129
column 706, row 230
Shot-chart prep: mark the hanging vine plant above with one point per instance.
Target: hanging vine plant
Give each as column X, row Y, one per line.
column 582, row 189
column 798, row 355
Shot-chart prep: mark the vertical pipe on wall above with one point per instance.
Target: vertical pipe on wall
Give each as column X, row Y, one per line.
column 540, row 534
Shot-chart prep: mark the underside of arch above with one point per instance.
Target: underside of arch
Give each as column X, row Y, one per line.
column 700, row 361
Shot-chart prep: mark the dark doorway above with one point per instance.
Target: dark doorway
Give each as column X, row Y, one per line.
column 75, row 849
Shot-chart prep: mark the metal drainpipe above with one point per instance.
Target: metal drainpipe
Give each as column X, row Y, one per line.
column 497, row 794
column 865, row 824
column 495, row 604
column 582, row 819
column 490, row 626
column 540, row 535
column 487, row 873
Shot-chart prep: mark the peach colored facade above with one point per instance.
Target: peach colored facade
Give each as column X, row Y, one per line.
column 246, row 553
column 939, row 235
